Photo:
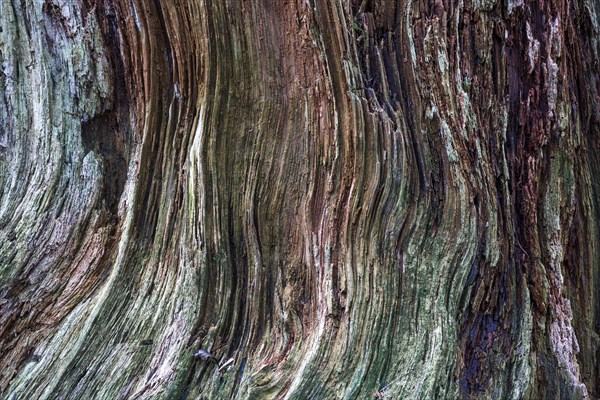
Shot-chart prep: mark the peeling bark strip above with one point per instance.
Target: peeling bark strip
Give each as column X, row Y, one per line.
column 299, row 199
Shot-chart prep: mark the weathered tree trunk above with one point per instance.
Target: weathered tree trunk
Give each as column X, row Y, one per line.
column 341, row 196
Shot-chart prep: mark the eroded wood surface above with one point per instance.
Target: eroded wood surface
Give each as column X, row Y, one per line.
column 341, row 196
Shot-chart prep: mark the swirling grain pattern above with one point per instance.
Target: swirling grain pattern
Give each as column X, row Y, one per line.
column 330, row 199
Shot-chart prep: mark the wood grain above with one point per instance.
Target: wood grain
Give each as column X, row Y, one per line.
column 349, row 199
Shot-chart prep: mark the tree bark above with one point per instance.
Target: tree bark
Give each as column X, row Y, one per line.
column 348, row 199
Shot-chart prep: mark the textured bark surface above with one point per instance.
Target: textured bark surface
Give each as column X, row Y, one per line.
column 341, row 196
